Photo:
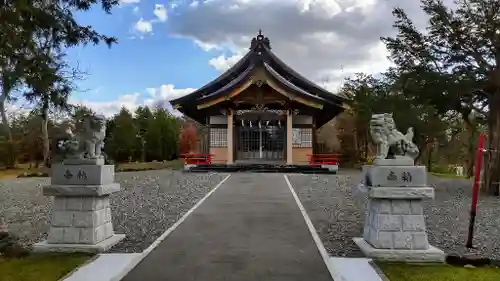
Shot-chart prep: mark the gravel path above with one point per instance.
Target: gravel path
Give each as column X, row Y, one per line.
column 149, row 203
column 332, row 205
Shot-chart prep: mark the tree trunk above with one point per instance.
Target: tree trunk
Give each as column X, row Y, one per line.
column 45, row 136
column 12, row 161
column 143, row 150
column 492, row 169
column 430, row 149
column 5, row 121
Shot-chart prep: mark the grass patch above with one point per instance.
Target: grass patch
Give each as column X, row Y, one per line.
column 448, row 176
column 25, row 171
column 437, row 272
column 40, row 267
column 146, row 166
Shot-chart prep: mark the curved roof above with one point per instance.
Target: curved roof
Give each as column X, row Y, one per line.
column 259, row 56
column 290, row 85
column 245, row 75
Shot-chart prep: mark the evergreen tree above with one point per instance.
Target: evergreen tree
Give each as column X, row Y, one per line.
column 455, row 65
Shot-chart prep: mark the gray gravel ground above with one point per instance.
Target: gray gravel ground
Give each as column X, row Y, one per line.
column 334, row 209
column 149, row 203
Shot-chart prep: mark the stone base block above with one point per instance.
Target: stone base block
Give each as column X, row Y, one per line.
column 103, row 246
column 397, row 161
column 188, row 167
column 84, row 161
column 395, row 224
column 361, row 193
column 432, row 254
column 364, row 171
column 400, row 192
column 331, row 168
column 80, row 190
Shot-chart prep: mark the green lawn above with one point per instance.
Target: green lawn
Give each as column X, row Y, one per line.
column 437, row 272
column 40, row 267
column 24, row 170
column 143, row 166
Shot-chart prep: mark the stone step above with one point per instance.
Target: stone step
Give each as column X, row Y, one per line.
column 264, row 168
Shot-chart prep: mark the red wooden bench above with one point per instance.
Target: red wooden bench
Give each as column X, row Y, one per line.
column 197, row 158
column 324, row 159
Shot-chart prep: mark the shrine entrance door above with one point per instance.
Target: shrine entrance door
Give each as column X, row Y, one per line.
column 260, row 137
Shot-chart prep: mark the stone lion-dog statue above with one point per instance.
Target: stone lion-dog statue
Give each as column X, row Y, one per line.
column 388, row 139
column 93, row 134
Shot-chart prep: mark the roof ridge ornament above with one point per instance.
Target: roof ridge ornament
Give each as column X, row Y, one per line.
column 260, row 41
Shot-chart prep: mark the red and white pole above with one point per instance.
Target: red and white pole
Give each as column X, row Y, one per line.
column 475, row 188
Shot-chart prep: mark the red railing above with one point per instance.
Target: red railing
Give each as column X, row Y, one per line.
column 324, row 159
column 197, row 158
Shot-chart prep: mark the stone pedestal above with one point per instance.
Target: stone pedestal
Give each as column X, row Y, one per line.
column 81, row 214
column 395, row 224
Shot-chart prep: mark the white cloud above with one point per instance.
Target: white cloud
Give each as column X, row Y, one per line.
column 135, row 10
column 206, row 46
column 322, row 8
column 223, row 63
column 109, row 108
column 129, row 1
column 159, row 96
column 166, row 92
column 325, row 40
column 145, row 27
column 160, row 12
column 163, row 94
column 142, row 27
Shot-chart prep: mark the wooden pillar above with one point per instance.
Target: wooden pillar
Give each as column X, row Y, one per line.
column 230, row 136
column 314, row 137
column 289, row 137
column 206, row 144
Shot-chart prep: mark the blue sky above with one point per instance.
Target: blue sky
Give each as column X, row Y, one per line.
column 141, row 59
column 168, row 48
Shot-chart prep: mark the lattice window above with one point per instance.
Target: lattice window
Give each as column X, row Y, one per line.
column 302, row 137
column 218, row 137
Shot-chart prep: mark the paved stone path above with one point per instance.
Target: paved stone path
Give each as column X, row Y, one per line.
column 249, row 229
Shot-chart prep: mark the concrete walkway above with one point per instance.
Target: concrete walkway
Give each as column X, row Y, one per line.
column 249, row 229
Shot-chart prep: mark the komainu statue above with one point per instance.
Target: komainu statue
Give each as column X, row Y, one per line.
column 94, row 132
column 388, row 139
column 84, row 142
column 66, row 144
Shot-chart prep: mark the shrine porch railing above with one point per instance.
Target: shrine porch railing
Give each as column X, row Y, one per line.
column 197, row 158
column 324, row 159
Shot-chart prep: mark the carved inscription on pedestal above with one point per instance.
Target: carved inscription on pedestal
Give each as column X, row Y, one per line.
column 68, row 175
column 392, row 176
column 406, row 177
column 82, row 174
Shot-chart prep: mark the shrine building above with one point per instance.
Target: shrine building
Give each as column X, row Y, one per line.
column 261, row 110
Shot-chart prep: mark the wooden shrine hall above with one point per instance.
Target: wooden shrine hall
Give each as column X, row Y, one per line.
column 261, row 110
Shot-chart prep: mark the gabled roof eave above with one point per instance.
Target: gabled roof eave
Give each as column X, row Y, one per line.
column 318, row 89
column 196, row 94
